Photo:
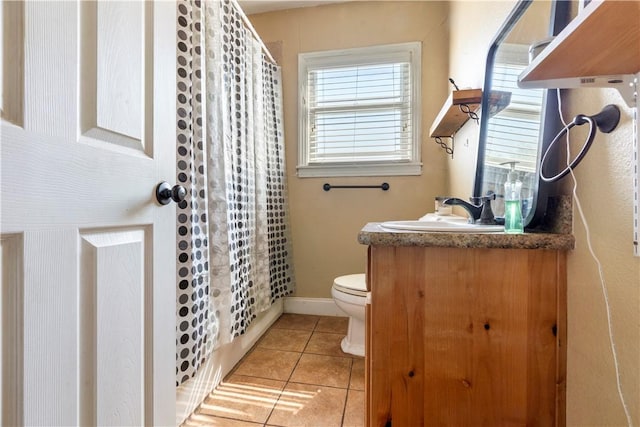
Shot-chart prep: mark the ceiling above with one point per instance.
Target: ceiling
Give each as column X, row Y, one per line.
column 259, row 6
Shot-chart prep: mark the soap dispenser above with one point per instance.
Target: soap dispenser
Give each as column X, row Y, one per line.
column 513, row 202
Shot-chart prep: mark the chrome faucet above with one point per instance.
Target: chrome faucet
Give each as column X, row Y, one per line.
column 480, row 212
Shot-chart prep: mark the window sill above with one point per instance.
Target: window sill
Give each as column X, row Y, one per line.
column 352, row 170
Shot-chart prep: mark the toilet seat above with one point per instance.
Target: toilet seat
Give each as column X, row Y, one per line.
column 352, row 284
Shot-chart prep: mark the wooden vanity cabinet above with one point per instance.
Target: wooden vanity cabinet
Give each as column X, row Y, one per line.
column 465, row 337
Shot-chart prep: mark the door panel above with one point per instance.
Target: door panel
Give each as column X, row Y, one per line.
column 85, row 246
column 114, row 289
column 50, row 352
column 120, row 56
column 115, row 52
column 11, row 303
column 12, row 71
column 50, row 68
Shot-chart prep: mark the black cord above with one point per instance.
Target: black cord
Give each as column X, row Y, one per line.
column 454, row 83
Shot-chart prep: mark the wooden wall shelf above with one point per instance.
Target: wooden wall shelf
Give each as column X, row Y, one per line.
column 604, row 39
column 451, row 118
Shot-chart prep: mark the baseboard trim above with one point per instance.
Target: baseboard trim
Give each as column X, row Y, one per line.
column 316, row 306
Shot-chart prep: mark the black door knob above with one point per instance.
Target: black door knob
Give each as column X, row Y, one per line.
column 165, row 193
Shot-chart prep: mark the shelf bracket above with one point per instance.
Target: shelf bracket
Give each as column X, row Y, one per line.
column 443, row 145
column 626, row 84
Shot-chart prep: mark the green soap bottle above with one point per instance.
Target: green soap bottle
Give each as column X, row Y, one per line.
column 513, row 202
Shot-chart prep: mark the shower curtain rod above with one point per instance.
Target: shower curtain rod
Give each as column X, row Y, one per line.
column 253, row 31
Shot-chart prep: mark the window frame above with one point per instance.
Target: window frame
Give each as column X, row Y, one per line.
column 353, row 57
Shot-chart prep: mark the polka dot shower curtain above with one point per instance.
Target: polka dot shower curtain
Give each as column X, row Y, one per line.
column 234, row 247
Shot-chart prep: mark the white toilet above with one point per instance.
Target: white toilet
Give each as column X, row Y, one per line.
column 350, row 295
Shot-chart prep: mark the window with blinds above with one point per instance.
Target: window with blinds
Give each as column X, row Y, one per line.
column 360, row 111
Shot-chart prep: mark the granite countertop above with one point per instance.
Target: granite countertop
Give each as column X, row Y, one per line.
column 375, row 235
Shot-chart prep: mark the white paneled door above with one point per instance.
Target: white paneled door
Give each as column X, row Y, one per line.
column 87, row 254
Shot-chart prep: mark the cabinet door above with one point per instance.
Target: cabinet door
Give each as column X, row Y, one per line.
column 466, row 337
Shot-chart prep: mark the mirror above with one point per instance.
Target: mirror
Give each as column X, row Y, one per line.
column 517, row 124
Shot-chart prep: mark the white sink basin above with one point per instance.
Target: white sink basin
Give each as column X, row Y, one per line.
column 443, row 225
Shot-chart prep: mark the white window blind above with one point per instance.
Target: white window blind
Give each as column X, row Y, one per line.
column 358, row 112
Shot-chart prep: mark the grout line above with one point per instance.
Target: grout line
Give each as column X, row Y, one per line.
column 230, row 418
column 320, row 385
column 329, row 355
column 344, row 409
column 304, row 349
column 350, row 375
column 346, row 398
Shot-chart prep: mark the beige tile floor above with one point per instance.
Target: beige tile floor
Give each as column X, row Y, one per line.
column 295, row 376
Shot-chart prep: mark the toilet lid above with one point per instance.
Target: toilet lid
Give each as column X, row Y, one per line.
column 354, row 284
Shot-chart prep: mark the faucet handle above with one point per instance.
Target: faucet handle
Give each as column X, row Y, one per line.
column 482, row 200
column 486, row 216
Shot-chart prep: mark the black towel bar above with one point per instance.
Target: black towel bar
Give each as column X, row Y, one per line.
column 384, row 186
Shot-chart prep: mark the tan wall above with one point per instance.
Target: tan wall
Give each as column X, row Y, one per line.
column 325, row 224
column 605, row 190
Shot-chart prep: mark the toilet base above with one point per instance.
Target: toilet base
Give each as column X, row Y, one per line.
column 353, row 343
